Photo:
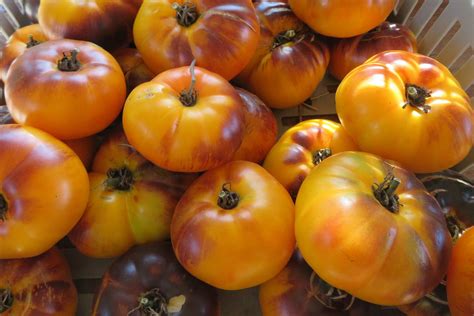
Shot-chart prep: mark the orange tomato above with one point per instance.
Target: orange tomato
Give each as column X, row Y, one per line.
column 234, row 226
column 409, row 108
column 70, row 89
column 43, row 191
column 85, row 148
column 133, row 67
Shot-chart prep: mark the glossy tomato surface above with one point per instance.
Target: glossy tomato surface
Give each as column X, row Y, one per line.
column 234, row 226
column 368, row 227
column 85, row 148
column 409, row 108
column 133, row 67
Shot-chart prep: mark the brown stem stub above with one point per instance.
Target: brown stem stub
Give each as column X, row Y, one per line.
column 189, row 97
column 320, row 155
column 3, row 208
column 416, row 97
column 32, row 42
column 69, row 63
column 151, row 303
column 329, row 296
column 227, row 199
column 6, row 300
column 283, row 38
column 120, row 179
column 186, row 13
column 385, row 192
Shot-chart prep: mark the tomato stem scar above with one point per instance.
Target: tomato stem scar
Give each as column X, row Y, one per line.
column 3, row 208
column 189, row 97
column 328, row 295
column 32, row 42
column 321, row 154
column 6, row 300
column 385, row 192
column 151, row 303
column 283, row 38
column 119, row 179
column 227, row 199
column 69, row 63
column 416, row 97
column 186, row 13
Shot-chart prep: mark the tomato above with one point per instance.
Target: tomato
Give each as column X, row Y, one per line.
column 368, row 227
column 17, row 44
column 70, row 89
column 409, row 108
column 43, row 191
column 131, row 201
column 133, row 67
column 40, row 285
column 260, row 130
column 302, row 147
column 348, row 53
column 433, row 304
column 220, row 35
column 31, row 9
column 289, row 61
column 148, row 280
column 234, row 226
column 85, row 148
column 460, row 279
column 107, row 23
column 185, row 122
column 343, row 18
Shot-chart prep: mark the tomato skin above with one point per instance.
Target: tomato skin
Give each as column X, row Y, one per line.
column 85, row 148
column 185, row 138
column 345, row 18
column 133, row 67
column 346, row 235
column 40, row 285
column 118, row 218
column 422, row 142
column 460, row 278
column 286, row 75
column 348, row 53
column 292, row 158
column 239, row 247
column 222, row 39
column 75, row 108
column 17, row 45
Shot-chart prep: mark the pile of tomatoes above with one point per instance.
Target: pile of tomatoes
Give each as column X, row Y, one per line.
column 144, row 130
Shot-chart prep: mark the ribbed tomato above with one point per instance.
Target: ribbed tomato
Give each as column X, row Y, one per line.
column 133, row 67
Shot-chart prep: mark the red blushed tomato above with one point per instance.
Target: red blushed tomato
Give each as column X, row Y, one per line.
column 40, row 285
column 234, row 226
column 85, row 148
column 460, row 278
column 289, row 61
column 260, row 130
column 343, row 18
column 131, row 201
column 186, row 119
column 108, row 23
column 303, row 147
column 348, row 53
column 220, row 35
column 43, row 191
column 133, row 67
column 70, row 89
column 17, row 44
column 409, row 108
column 369, row 227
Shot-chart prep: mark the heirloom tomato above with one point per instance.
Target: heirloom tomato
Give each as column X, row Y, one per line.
column 409, row 108
column 131, row 201
column 148, row 280
column 133, row 67
column 85, row 148
column 234, row 226
column 186, row 119
column 31, row 9
column 39, row 285
column 220, row 35
column 343, row 18
column 289, row 61
column 303, row 147
column 368, row 227
column 70, row 89
column 43, row 191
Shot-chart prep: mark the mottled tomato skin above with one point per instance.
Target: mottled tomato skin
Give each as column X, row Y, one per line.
column 222, row 39
column 356, row 244
column 46, row 189
column 292, row 158
column 85, row 148
column 260, row 131
column 40, row 285
column 104, row 22
column 133, row 67
column 370, row 100
column 148, row 267
column 343, row 18
column 66, row 104
column 348, row 53
column 285, row 75
column 234, row 248
column 17, row 44
column 460, row 278
column 185, row 138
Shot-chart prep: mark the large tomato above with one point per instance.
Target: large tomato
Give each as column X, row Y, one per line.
column 186, row 119
column 289, row 61
column 107, row 23
column 409, row 108
column 234, row 226
column 369, row 227
column 342, row 18
column 131, row 201
column 70, row 89
column 85, row 148
column 43, row 191
column 303, row 147
column 40, row 285
column 220, row 34
column 133, row 67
